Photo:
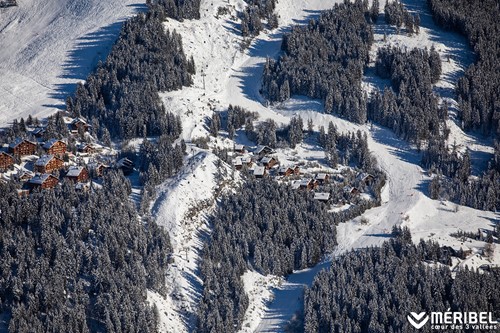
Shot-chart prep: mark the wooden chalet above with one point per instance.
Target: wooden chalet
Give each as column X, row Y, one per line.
column 259, row 171
column 84, row 187
column 43, row 181
column 79, row 124
column 285, row 171
column 48, row 163
column 22, row 147
column 263, row 150
column 126, row 165
column 97, row 169
column 6, row 161
column 240, row 149
column 269, row 162
column 307, row 184
column 78, row 174
column 288, row 171
column 23, row 192
column 55, row 147
column 366, row 178
column 87, row 148
column 322, row 178
column 353, row 191
column 322, row 196
column 239, row 162
column 24, row 176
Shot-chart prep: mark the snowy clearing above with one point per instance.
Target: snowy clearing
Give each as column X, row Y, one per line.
column 49, row 46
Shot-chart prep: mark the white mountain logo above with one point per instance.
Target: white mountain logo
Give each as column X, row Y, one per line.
column 418, row 320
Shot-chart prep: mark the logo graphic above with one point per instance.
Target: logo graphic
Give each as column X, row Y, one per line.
column 418, row 320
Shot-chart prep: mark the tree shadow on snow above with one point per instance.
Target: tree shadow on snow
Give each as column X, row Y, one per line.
column 86, row 54
column 262, row 48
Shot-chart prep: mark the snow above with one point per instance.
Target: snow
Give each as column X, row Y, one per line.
column 233, row 77
column 181, row 207
column 48, row 46
column 456, row 56
column 258, row 287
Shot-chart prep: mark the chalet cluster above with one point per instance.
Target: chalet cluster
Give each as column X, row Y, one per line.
column 262, row 162
column 43, row 164
column 259, row 162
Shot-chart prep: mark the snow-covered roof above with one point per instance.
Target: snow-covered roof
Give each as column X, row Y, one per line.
column 42, row 161
column 322, row 196
column 84, row 145
column 283, row 169
column 95, row 165
column 321, row 176
column 266, row 159
column 4, row 153
column 74, row 171
column 18, row 141
column 25, row 174
column 40, row 179
column 296, row 184
column 125, row 162
column 237, row 161
column 239, row 147
column 51, row 142
column 78, row 120
column 259, row 171
column 304, row 182
column 246, row 159
column 262, row 149
column 349, row 189
column 363, row 175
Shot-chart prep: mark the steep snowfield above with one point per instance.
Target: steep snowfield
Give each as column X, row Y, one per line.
column 182, row 207
column 48, row 46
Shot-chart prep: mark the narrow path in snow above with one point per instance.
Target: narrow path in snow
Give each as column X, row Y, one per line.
column 404, row 180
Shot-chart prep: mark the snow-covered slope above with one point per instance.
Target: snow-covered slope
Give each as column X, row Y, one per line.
column 182, row 207
column 48, row 46
column 233, row 77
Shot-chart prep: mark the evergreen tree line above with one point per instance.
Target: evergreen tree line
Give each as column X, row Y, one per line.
column 78, row 261
column 410, row 108
column 254, row 13
column 268, row 227
column 235, row 118
column 396, row 14
column 454, row 182
column 346, row 149
column 178, row 9
column 479, row 89
column 325, row 60
column 55, row 127
column 122, row 93
column 7, row 3
column 478, row 95
column 158, row 161
column 374, row 289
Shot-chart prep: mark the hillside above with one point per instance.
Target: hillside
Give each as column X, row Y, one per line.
column 48, row 46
